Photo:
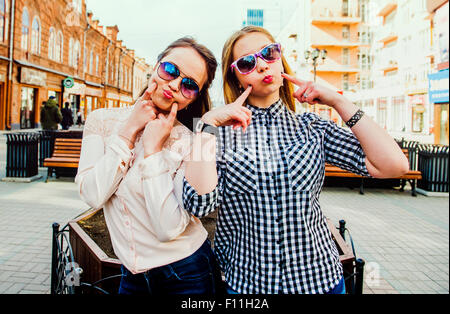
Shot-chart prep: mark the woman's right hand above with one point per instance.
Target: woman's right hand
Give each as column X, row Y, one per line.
column 234, row 114
column 143, row 111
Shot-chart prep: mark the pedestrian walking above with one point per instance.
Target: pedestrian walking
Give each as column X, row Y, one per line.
column 80, row 118
column 271, row 234
column 132, row 165
column 50, row 114
column 67, row 120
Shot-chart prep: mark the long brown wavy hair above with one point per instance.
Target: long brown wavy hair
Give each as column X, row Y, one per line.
column 230, row 82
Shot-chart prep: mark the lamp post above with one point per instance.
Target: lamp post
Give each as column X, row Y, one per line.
column 314, row 56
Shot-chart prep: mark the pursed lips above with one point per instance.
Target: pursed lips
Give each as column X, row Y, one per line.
column 268, row 79
column 168, row 94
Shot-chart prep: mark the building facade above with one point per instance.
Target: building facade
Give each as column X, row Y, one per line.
column 56, row 48
column 438, row 87
column 380, row 54
column 338, row 28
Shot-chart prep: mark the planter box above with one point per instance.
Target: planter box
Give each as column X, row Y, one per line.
column 97, row 265
column 92, row 259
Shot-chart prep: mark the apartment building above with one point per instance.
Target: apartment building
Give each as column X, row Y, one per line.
column 339, row 29
column 438, row 79
column 56, row 48
column 401, row 50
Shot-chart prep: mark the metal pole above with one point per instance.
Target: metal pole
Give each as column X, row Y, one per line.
column 342, row 228
column 54, row 273
column 359, row 280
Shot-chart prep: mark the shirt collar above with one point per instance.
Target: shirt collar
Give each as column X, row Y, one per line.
column 274, row 110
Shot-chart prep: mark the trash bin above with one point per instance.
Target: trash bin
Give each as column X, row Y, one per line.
column 22, row 155
column 433, row 163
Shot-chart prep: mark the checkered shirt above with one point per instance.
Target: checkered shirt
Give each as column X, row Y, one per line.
column 271, row 235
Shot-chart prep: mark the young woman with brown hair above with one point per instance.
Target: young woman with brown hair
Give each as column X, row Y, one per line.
column 132, row 165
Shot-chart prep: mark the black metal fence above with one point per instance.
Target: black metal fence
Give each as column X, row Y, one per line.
column 22, row 155
column 433, row 163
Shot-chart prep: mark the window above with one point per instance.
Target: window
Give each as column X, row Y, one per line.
column 71, row 52
column 345, row 56
column 59, row 47
column 344, row 7
column 96, row 65
column 255, row 17
column 76, row 54
column 52, row 44
column 36, row 36
column 77, row 5
column 381, row 112
column 346, row 32
column 345, row 82
column 91, row 62
column 398, row 120
column 2, row 20
column 25, row 29
column 85, row 61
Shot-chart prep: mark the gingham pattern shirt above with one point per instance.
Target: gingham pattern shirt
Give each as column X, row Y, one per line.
column 271, row 235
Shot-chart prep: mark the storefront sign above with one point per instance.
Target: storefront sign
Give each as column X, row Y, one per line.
column 112, row 96
column 126, row 98
column 33, row 77
column 93, row 92
column 68, row 82
column 77, row 89
column 438, row 87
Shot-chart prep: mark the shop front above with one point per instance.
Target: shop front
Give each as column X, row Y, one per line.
column 31, row 83
column 93, row 99
column 417, row 105
column 439, row 97
column 74, row 95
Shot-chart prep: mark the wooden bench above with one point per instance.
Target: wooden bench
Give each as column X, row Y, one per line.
column 411, row 176
column 66, row 154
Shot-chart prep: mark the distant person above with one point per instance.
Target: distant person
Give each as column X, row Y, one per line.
column 80, row 120
column 67, row 120
column 50, row 114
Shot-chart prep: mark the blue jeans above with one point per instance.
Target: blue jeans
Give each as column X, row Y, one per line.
column 339, row 289
column 196, row 274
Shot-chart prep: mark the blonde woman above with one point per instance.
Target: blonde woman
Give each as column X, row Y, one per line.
column 271, row 235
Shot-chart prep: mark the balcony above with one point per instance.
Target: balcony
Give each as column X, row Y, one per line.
column 389, row 38
column 337, row 20
column 332, row 66
column 388, row 7
column 335, row 44
column 391, row 66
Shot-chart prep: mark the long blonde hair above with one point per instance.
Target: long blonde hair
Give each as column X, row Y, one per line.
column 230, row 82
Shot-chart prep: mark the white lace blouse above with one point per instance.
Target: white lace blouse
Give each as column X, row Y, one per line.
column 141, row 198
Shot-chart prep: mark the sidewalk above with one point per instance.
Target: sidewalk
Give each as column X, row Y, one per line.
column 403, row 239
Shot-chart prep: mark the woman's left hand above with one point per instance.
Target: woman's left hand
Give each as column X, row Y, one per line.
column 313, row 93
column 157, row 131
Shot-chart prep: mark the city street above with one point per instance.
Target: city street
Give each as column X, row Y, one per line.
column 403, row 239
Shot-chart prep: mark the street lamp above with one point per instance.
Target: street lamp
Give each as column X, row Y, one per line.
column 314, row 56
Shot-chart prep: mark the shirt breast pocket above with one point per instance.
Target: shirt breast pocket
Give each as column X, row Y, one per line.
column 240, row 175
column 306, row 166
